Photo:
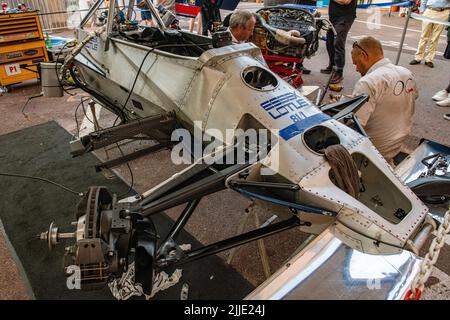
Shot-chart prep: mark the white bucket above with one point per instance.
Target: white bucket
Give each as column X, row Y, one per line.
column 49, row 79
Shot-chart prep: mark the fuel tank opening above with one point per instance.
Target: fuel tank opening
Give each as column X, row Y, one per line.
column 259, row 78
column 318, row 138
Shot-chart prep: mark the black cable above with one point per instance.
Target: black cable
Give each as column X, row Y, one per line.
column 26, row 103
column 23, row 108
column 80, row 194
column 75, row 115
column 78, row 134
column 135, row 15
column 128, row 98
column 104, row 101
column 85, row 114
column 134, row 83
column 76, row 119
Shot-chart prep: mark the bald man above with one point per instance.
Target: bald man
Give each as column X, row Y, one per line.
column 387, row 116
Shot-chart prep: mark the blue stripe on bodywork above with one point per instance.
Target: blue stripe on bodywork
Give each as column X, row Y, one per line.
column 298, row 127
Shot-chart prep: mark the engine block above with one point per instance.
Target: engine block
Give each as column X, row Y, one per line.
column 287, row 19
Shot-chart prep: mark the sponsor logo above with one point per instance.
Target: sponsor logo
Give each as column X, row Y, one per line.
column 31, row 52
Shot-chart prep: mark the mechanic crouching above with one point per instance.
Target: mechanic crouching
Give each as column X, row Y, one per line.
column 387, row 116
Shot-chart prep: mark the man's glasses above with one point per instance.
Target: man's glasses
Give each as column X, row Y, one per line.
column 355, row 44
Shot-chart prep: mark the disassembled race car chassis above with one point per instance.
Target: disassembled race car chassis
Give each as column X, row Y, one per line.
column 112, row 227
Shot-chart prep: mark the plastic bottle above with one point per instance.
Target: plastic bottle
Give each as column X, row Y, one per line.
column 48, row 42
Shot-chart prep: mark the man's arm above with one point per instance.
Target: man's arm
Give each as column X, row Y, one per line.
column 368, row 108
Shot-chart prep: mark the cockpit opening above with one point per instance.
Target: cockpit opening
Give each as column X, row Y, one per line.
column 318, row 138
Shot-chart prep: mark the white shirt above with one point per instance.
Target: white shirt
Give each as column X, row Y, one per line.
column 387, row 116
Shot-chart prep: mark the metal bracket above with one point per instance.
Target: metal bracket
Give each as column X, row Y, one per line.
column 132, row 156
column 102, row 138
column 341, row 109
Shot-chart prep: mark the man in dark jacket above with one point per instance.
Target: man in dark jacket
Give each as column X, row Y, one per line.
column 342, row 13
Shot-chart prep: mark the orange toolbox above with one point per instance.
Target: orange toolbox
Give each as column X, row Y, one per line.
column 22, row 47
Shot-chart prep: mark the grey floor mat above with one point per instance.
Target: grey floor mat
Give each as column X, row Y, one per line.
column 28, row 206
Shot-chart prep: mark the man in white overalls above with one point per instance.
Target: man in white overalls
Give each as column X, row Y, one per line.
column 387, row 116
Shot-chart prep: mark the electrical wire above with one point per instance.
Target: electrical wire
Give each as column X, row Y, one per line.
column 126, row 101
column 83, row 99
column 80, row 194
column 26, row 103
column 85, row 114
column 105, row 101
column 56, row 68
column 76, row 120
column 93, row 92
column 134, row 83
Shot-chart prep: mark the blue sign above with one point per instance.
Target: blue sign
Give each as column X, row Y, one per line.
column 291, row 105
column 284, row 104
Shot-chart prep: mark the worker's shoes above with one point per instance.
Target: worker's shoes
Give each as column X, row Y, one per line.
column 327, row 70
column 336, row 78
column 447, row 116
column 441, row 95
column 413, row 62
column 429, row 64
column 444, row 103
column 304, row 70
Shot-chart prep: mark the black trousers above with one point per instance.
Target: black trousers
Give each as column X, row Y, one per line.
column 448, row 88
column 210, row 14
column 447, row 51
column 336, row 46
